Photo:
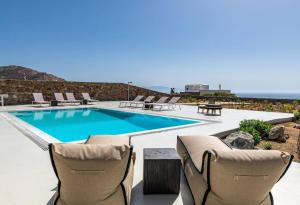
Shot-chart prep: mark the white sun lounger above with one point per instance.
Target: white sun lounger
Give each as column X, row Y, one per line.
column 39, row 99
column 71, row 98
column 139, row 104
column 60, row 98
column 86, row 96
column 171, row 105
column 148, row 105
column 127, row 103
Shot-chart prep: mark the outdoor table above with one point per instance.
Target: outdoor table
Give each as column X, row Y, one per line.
column 148, row 105
column 162, row 168
column 211, row 109
column 54, row 103
column 84, row 102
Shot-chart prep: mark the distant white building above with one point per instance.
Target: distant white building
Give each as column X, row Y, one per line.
column 202, row 89
column 195, row 88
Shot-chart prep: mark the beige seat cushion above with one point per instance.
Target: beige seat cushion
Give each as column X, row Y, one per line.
column 93, row 174
column 108, row 139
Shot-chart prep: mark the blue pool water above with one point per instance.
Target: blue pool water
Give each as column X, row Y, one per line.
column 69, row 125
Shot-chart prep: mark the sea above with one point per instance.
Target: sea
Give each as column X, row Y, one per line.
column 292, row 96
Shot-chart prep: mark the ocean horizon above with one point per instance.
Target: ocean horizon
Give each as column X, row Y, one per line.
column 289, row 96
column 267, row 95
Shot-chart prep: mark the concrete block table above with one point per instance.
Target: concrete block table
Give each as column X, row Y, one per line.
column 162, row 168
column 54, row 103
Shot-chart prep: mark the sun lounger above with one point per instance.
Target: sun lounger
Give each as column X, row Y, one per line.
column 149, row 105
column 97, row 172
column 71, row 98
column 139, row 104
column 218, row 175
column 86, row 96
column 128, row 103
column 171, row 105
column 39, row 99
column 60, row 98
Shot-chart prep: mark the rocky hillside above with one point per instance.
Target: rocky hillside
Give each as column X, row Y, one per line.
column 22, row 73
column 20, row 91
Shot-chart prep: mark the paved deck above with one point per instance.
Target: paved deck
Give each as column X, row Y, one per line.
column 27, row 177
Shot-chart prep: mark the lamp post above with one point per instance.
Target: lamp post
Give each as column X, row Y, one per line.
column 128, row 89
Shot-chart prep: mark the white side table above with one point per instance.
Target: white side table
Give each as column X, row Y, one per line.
column 2, row 98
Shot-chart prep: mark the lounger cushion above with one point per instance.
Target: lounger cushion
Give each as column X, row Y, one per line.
column 246, row 175
column 91, row 151
column 196, row 145
column 108, row 139
column 93, row 174
column 191, row 150
column 235, row 176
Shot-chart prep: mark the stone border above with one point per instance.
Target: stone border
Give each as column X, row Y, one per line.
column 222, row 135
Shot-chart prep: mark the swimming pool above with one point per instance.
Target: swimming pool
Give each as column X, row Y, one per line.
column 68, row 125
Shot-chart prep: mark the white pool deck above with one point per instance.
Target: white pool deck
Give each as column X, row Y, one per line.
column 26, row 175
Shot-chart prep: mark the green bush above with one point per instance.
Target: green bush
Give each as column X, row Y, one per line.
column 253, row 132
column 269, row 108
column 220, row 94
column 289, row 108
column 267, row 146
column 191, row 99
column 295, row 103
column 297, row 117
column 258, row 129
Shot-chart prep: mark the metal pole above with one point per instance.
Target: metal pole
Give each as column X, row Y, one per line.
column 128, row 90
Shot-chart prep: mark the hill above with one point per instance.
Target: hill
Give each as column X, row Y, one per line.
column 23, row 73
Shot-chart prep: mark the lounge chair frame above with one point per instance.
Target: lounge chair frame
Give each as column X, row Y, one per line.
column 171, row 105
column 86, row 96
column 129, row 103
column 39, row 99
column 71, row 98
column 140, row 104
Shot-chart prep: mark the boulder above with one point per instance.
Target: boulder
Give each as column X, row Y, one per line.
column 297, row 126
column 286, row 135
column 240, row 140
column 277, row 133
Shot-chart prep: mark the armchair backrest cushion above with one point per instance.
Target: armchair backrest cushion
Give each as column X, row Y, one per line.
column 90, row 173
column 246, row 175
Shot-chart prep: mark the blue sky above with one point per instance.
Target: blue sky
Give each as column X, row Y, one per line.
column 249, row 45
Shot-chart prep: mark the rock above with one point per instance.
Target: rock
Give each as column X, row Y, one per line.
column 277, row 134
column 286, row 135
column 297, row 126
column 240, row 140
